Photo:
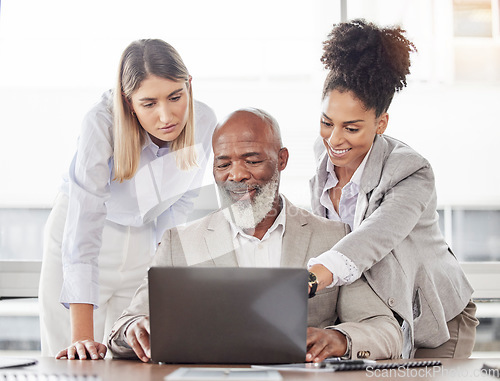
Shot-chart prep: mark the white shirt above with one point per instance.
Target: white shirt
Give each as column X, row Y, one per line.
column 266, row 252
column 343, row 269
column 159, row 193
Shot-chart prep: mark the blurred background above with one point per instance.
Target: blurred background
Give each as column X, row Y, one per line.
column 57, row 57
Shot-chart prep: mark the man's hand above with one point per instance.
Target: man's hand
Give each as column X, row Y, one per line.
column 83, row 350
column 137, row 335
column 323, row 343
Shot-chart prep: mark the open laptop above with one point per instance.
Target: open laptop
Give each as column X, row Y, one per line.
column 228, row 315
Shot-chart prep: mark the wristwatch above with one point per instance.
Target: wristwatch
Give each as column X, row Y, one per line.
column 313, row 283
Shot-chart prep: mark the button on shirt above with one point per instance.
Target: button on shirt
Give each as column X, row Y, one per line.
column 159, row 193
column 343, row 269
column 266, row 252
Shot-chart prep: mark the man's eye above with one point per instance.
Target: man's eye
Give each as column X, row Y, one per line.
column 254, row 162
column 325, row 123
column 222, row 166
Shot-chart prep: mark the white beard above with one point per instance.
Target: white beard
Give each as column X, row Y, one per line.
column 246, row 214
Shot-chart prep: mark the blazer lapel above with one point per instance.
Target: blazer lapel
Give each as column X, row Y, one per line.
column 219, row 241
column 296, row 238
column 370, row 178
column 317, row 184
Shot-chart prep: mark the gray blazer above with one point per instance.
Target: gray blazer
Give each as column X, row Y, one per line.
column 371, row 325
column 396, row 241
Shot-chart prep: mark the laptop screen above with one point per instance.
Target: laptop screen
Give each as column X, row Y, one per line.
column 228, row 315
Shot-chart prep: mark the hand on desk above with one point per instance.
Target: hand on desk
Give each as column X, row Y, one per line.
column 137, row 335
column 83, row 350
column 323, row 343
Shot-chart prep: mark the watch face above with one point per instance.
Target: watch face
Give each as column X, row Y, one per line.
column 313, row 283
column 312, row 278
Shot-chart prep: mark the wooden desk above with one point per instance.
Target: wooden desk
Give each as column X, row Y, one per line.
column 124, row 370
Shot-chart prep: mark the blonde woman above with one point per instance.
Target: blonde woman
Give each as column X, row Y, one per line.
column 141, row 157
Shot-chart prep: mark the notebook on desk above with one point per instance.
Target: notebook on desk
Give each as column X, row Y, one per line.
column 14, row 362
column 228, row 315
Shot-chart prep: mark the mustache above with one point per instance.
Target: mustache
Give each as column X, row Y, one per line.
column 239, row 187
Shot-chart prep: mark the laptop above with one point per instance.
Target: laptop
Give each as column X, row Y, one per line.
column 228, row 315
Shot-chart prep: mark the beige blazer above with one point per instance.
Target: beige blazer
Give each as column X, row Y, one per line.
column 370, row 324
column 396, row 241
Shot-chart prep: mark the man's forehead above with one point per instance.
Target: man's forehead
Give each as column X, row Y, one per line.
column 242, row 147
column 243, row 135
column 243, row 138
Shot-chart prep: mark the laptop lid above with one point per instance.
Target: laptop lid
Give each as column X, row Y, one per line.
column 228, row 315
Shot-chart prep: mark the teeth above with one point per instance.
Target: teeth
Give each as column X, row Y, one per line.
column 340, row 151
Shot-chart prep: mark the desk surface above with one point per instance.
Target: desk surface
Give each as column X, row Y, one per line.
column 124, row 370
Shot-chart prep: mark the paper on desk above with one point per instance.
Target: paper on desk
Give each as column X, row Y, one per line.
column 233, row 374
column 300, row 367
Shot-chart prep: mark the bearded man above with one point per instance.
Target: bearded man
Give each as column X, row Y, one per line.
column 259, row 227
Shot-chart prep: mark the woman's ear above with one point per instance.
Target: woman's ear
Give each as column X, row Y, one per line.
column 382, row 123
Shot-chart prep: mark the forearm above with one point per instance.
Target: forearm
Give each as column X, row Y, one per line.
column 376, row 338
column 82, row 322
column 365, row 318
column 392, row 214
column 81, row 245
column 117, row 340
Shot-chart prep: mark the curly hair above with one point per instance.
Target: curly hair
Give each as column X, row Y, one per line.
column 371, row 62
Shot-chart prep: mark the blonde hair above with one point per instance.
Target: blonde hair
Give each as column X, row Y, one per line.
column 141, row 59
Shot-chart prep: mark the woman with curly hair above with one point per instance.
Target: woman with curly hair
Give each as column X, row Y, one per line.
column 385, row 191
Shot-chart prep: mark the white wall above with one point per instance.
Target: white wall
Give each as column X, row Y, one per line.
column 58, row 56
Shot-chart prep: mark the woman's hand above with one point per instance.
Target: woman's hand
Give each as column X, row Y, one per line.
column 82, row 335
column 324, row 276
column 83, row 350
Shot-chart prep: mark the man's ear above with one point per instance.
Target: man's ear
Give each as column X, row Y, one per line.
column 383, row 121
column 282, row 158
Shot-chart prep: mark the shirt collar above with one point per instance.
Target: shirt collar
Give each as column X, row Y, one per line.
column 280, row 221
column 157, row 151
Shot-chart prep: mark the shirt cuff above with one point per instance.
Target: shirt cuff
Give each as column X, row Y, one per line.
column 343, row 269
column 80, row 285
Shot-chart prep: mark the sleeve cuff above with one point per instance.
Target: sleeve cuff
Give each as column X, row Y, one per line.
column 343, row 269
column 80, row 285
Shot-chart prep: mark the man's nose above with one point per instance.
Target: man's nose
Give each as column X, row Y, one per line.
column 238, row 172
